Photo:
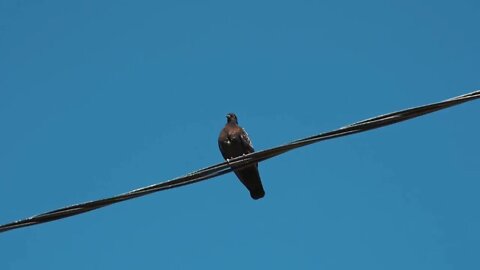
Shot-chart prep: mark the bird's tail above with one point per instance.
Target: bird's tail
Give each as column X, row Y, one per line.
column 250, row 178
column 257, row 194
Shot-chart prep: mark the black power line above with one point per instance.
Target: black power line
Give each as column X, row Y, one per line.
column 226, row 167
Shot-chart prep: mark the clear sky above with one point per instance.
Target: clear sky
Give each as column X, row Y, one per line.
column 101, row 97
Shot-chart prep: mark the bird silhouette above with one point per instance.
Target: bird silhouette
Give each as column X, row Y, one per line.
column 233, row 141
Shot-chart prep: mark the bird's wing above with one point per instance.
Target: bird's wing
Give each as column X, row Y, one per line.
column 246, row 141
column 221, row 144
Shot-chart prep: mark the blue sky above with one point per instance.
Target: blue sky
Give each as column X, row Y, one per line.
column 101, row 97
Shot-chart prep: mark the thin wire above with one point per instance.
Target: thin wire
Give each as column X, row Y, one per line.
column 239, row 162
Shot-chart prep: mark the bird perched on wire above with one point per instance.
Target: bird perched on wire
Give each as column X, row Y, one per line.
column 233, row 141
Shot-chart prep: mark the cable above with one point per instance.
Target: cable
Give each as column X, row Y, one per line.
column 242, row 161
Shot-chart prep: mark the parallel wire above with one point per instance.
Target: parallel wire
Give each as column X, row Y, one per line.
column 239, row 162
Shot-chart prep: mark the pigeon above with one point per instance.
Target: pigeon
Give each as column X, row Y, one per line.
column 233, row 141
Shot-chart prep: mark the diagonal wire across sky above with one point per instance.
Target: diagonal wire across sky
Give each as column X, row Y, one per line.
column 226, row 167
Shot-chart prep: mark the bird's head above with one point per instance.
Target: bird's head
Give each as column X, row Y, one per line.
column 232, row 118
